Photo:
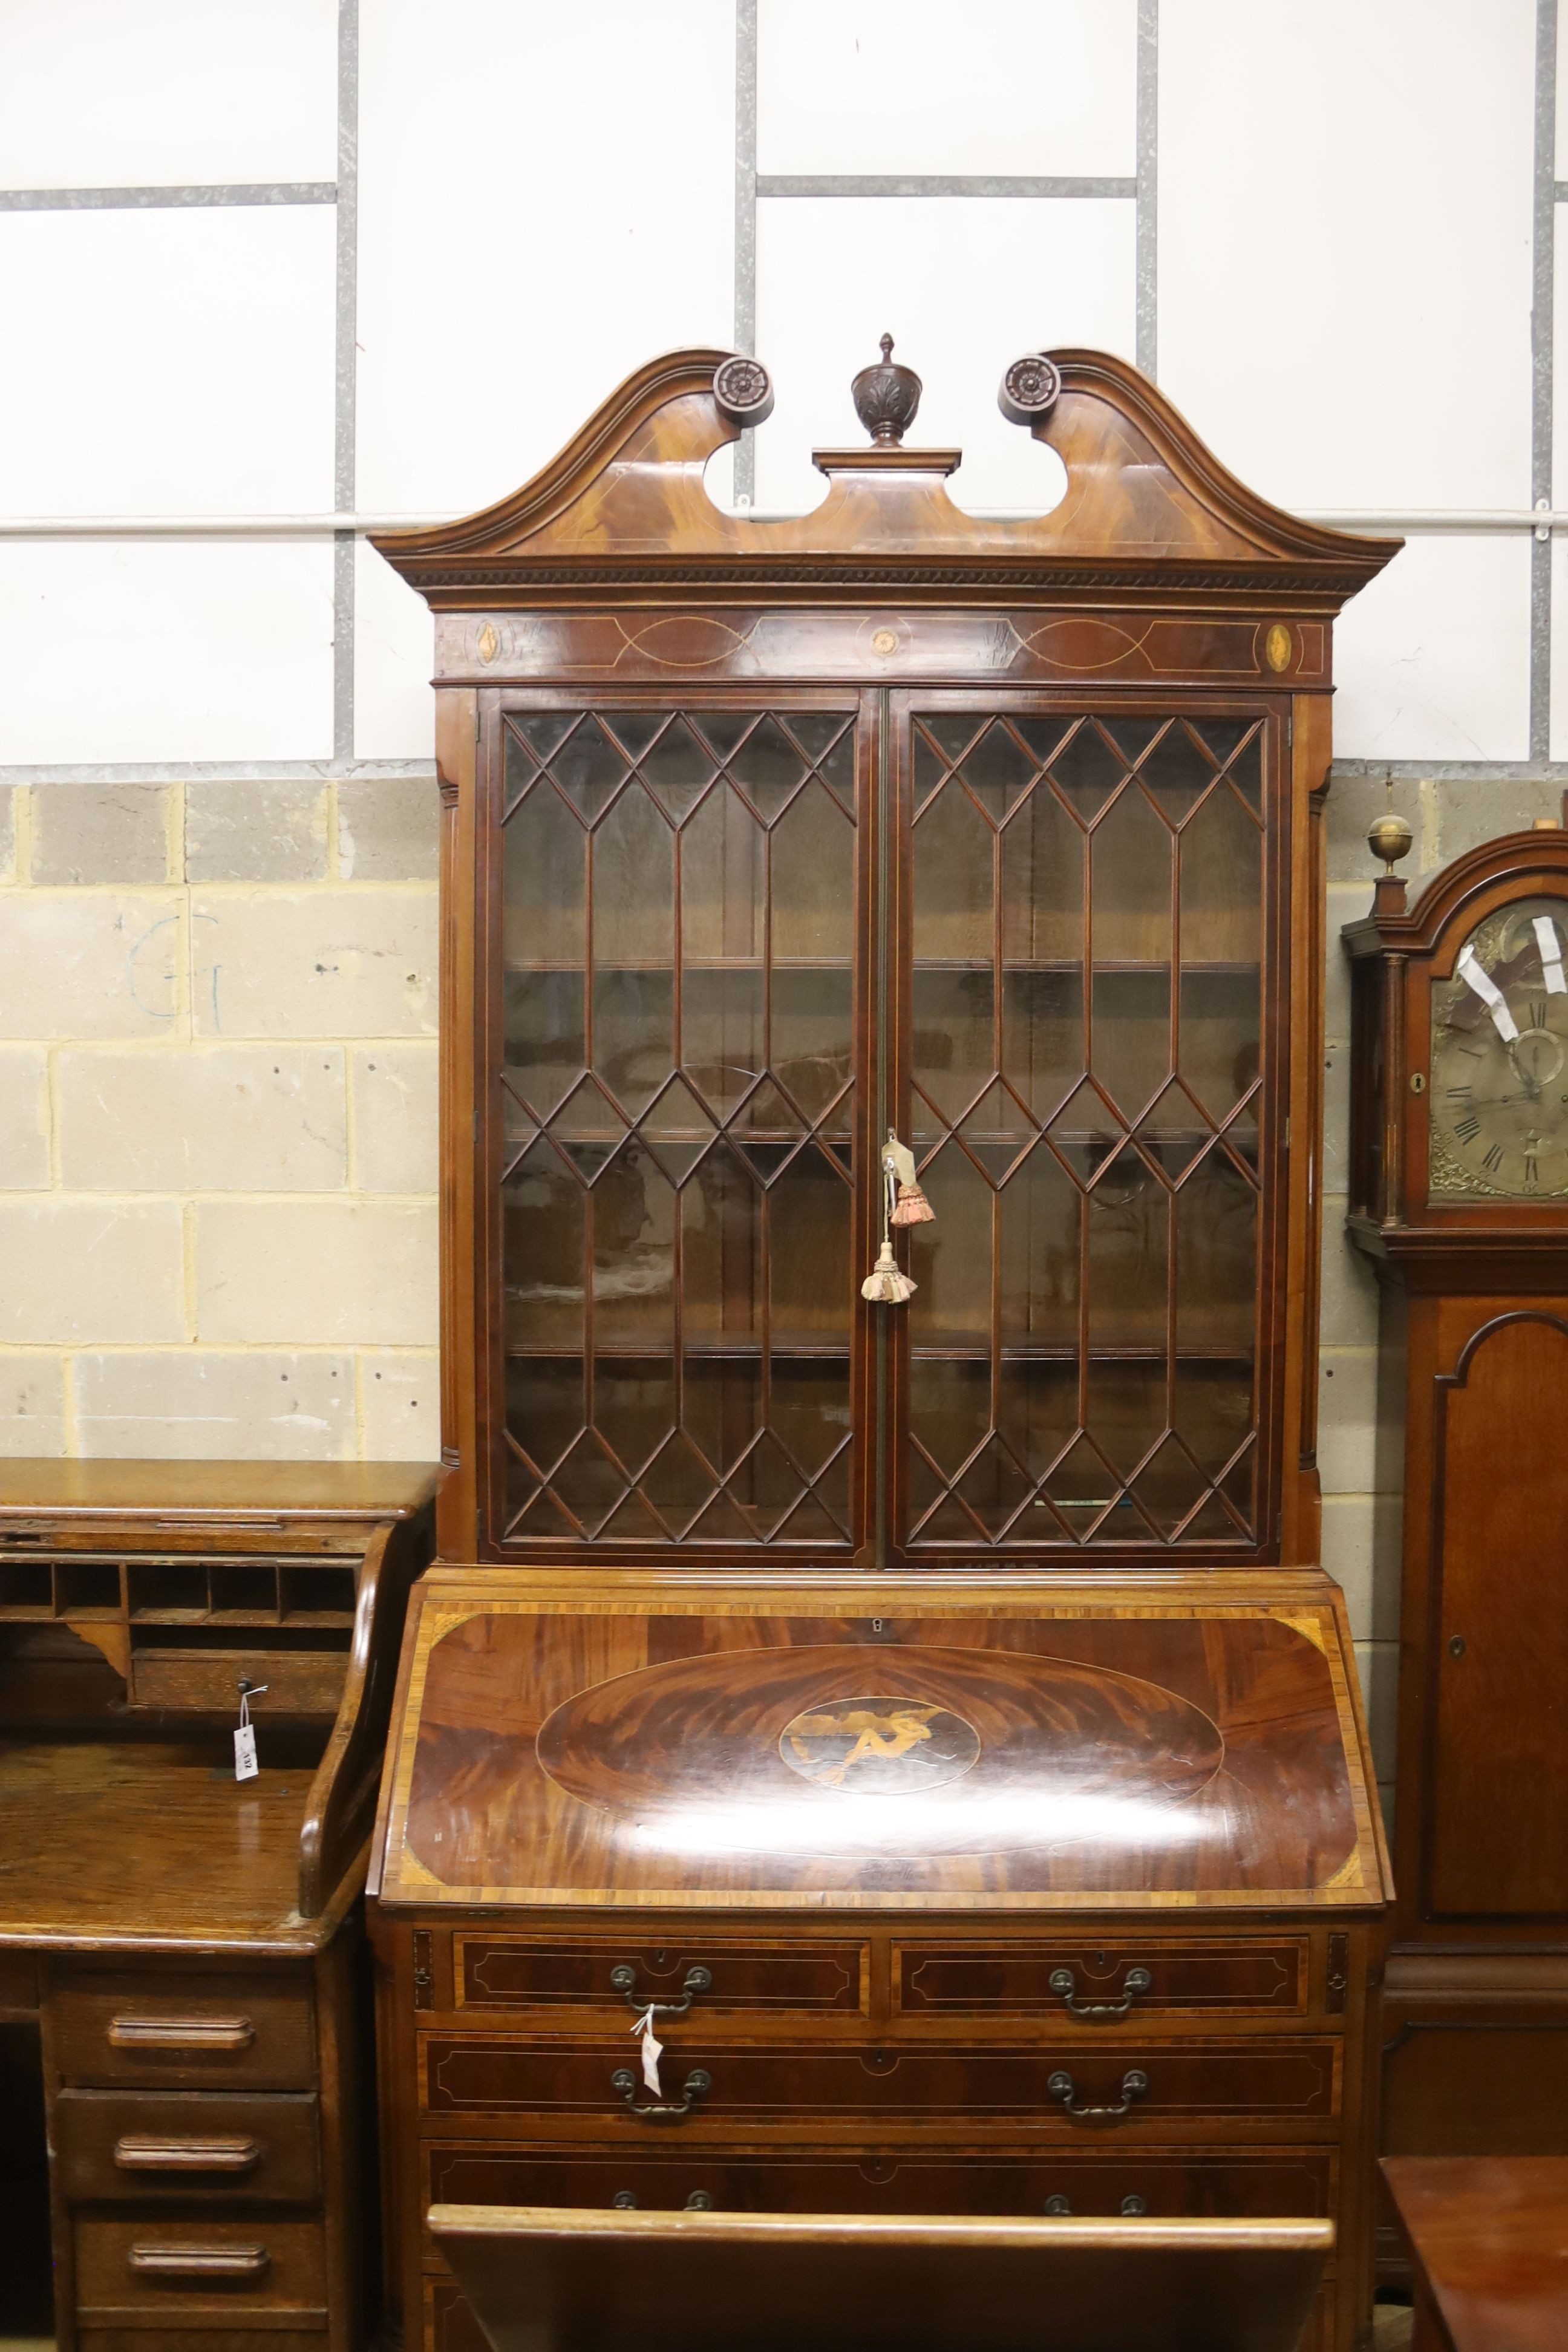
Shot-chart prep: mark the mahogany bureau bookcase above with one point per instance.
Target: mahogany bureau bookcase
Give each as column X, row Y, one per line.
column 879, row 1642
column 189, row 1943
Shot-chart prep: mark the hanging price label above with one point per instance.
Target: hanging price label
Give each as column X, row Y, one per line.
column 246, row 1766
column 652, row 2052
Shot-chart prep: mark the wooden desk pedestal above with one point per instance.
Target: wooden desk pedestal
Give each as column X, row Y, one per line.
column 987, row 1906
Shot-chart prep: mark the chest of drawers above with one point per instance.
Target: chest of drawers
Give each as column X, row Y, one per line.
column 1021, row 1908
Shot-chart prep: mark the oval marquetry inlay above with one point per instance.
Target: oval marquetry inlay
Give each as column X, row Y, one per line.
column 878, row 1746
column 803, row 1750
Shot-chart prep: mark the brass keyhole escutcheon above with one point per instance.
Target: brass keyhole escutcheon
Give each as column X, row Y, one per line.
column 1457, row 1646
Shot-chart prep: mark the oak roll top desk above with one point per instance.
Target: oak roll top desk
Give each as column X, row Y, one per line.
column 881, row 1628
column 188, row 1944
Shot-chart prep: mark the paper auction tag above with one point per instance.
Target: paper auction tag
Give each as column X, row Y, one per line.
column 246, row 1766
column 652, row 2052
column 1491, row 996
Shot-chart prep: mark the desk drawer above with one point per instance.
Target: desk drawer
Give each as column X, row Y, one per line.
column 938, row 2180
column 1127, row 2082
column 193, row 2148
column 514, row 1973
column 1098, row 1984
column 182, row 2274
column 184, row 2031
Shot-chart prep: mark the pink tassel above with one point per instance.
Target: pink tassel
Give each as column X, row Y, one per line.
column 912, row 1208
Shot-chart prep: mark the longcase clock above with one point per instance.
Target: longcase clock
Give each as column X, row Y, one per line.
column 1460, row 1176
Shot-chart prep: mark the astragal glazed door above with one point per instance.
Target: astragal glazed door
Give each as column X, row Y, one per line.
column 742, row 940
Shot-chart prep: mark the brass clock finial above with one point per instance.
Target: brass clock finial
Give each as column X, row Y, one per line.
column 886, row 398
column 1389, row 836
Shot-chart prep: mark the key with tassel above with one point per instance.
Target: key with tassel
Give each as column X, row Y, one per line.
column 903, row 1204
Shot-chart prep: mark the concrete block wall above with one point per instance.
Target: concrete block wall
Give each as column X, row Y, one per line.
column 218, row 1119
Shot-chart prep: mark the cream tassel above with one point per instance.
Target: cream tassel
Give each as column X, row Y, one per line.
column 887, row 1284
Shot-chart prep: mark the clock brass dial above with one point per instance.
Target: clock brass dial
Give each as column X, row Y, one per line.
column 1499, row 1060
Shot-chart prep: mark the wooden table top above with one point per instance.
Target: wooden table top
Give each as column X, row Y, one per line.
column 1489, row 2237
column 152, row 1845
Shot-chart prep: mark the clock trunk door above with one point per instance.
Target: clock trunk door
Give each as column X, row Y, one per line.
column 678, row 1049
column 1082, row 959
column 1497, row 1830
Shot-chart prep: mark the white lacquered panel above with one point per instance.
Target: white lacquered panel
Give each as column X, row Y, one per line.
column 167, row 362
column 394, row 654
column 1026, row 86
column 1432, row 660
column 546, row 201
column 1345, row 245
column 964, row 285
column 147, row 650
column 160, row 93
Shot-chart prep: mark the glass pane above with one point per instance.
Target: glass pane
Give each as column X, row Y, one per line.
column 678, row 1114
column 1085, row 987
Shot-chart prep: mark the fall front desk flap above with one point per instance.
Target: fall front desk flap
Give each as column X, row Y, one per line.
column 565, row 1742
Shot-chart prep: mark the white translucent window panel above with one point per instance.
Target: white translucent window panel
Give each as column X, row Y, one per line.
column 546, row 201
column 146, row 650
column 1432, row 662
column 1558, row 747
column 167, row 362
column 160, row 93
column 1345, row 245
column 1562, row 163
column 998, row 86
column 395, row 653
column 964, row 284
column 1560, row 346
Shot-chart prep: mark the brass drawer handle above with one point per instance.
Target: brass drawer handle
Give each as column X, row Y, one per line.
column 1058, row 2206
column 624, row 1980
column 139, row 2152
column 1134, row 2083
column 696, row 2084
column 200, row 2262
column 181, row 2033
column 1063, row 1981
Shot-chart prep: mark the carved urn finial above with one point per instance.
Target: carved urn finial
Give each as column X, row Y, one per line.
column 886, row 398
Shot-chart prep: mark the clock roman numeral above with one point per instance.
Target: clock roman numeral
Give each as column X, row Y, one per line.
column 1467, row 1127
column 1530, row 1170
column 1493, row 1158
column 1538, row 1013
column 1458, row 1094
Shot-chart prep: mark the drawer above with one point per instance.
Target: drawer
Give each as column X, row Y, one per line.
column 188, row 2031
column 265, row 2336
column 192, row 2147
column 1100, row 1983
column 298, row 1682
column 1073, row 2085
column 511, row 1973
column 180, row 2273
column 937, row 2181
